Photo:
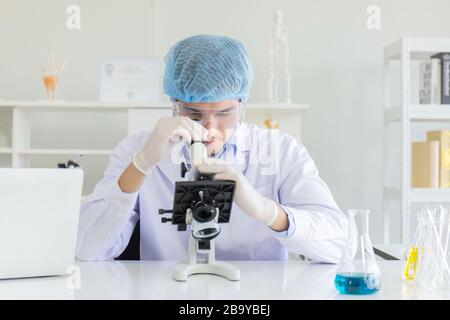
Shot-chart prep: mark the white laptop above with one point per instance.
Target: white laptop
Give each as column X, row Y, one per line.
column 39, row 211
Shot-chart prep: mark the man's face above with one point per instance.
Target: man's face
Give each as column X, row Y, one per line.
column 219, row 118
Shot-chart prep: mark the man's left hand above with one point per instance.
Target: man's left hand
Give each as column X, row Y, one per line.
column 245, row 196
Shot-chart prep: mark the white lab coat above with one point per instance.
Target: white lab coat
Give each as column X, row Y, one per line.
column 288, row 175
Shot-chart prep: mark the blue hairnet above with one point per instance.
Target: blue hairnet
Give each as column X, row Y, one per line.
column 208, row 68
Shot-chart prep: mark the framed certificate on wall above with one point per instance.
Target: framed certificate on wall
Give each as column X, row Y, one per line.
column 130, row 79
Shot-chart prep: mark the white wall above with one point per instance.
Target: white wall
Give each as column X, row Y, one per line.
column 335, row 61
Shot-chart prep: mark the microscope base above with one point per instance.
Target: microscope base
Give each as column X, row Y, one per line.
column 183, row 270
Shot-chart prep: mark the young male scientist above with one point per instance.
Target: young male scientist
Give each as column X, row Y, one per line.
column 280, row 205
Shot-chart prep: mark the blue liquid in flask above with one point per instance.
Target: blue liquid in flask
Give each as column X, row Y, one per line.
column 357, row 283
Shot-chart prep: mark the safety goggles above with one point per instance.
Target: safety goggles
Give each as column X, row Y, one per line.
column 227, row 116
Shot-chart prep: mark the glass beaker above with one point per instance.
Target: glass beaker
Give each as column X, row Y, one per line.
column 358, row 272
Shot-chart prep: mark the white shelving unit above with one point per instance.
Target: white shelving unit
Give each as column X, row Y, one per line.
column 406, row 50
column 137, row 114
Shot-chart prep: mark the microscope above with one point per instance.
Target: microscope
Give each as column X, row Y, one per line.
column 203, row 203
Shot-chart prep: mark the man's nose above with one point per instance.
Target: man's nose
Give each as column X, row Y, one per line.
column 209, row 121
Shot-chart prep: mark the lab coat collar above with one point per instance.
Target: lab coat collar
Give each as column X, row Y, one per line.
column 238, row 141
column 242, row 137
column 239, row 144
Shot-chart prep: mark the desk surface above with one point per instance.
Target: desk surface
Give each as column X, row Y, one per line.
column 153, row 280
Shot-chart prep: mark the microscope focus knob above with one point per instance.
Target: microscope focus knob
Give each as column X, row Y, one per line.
column 164, row 220
column 184, row 169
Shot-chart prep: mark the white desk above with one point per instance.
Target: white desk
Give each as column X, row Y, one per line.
column 259, row 280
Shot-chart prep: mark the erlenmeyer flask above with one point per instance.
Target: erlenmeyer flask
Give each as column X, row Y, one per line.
column 358, row 272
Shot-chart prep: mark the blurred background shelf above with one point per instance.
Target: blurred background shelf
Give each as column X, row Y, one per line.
column 419, row 113
column 86, row 152
column 5, row 150
column 416, row 48
column 419, row 195
column 108, row 106
column 404, row 115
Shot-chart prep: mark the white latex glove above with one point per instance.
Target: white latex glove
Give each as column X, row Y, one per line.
column 167, row 133
column 245, row 196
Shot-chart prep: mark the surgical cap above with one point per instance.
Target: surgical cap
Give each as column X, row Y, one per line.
column 208, row 68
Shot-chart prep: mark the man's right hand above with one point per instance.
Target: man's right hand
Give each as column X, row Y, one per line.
column 167, row 133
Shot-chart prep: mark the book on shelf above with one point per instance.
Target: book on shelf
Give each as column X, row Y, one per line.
column 425, row 164
column 430, row 82
column 443, row 137
column 445, row 76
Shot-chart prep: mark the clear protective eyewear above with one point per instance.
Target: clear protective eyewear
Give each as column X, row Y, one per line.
column 227, row 117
